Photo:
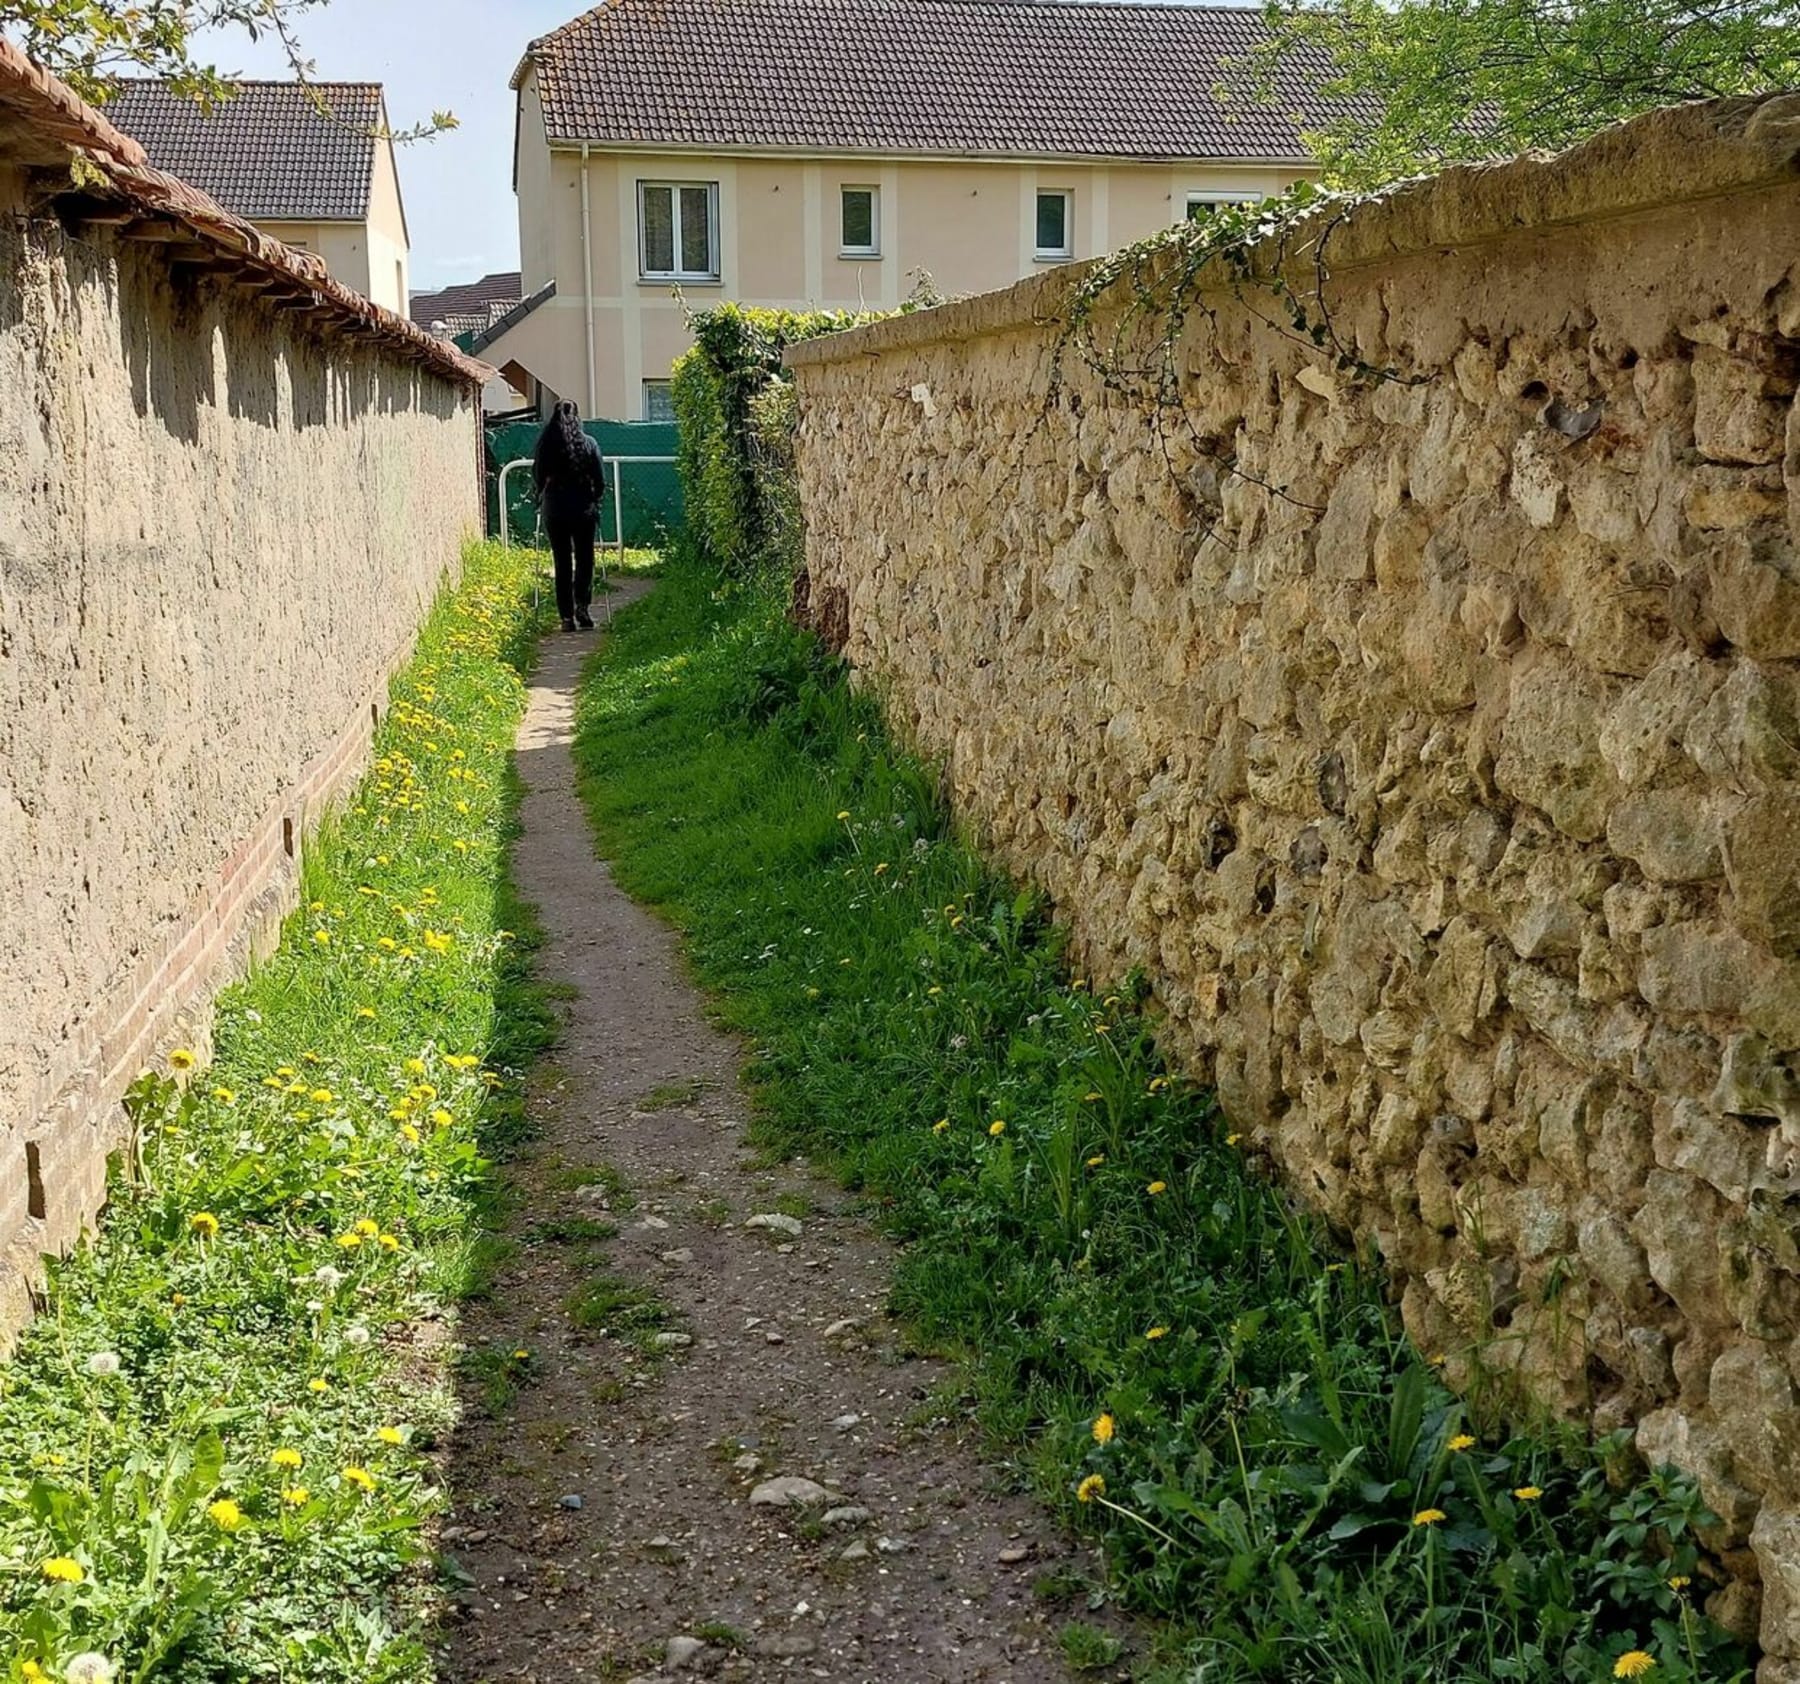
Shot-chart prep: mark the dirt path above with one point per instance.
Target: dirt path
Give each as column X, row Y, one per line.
column 612, row 1490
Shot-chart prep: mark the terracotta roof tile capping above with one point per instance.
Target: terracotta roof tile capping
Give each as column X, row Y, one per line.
column 957, row 78
column 44, row 125
column 269, row 153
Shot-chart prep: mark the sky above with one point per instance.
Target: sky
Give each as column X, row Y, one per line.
column 455, row 55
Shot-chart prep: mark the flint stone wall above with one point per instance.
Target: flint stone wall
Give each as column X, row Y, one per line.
column 218, row 533
column 1442, row 765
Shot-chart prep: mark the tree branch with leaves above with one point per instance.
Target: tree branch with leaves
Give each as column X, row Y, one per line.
column 1425, row 83
column 91, row 43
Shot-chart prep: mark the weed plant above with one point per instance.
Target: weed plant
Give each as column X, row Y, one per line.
column 1186, row 1369
column 217, row 1437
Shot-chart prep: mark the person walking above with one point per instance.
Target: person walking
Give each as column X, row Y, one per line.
column 571, row 487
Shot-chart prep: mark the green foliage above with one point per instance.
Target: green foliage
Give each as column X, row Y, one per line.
column 1183, row 1365
column 91, row 43
column 1431, row 82
column 288, row 1212
column 722, row 454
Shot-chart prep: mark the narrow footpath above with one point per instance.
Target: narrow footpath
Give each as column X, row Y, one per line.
column 693, row 1443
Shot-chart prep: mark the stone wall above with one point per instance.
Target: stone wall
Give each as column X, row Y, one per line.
column 1441, row 763
column 219, row 530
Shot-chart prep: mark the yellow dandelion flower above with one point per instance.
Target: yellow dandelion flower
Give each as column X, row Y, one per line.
column 390, row 1435
column 401, row 1113
column 285, row 1458
column 997, row 1127
column 843, row 818
column 1528, row 1493
column 63, row 1570
column 410, row 1135
column 296, row 1496
column 941, row 1126
column 1233, row 1139
column 350, row 1241
column 361, row 1478
column 1103, row 1429
column 1156, row 1187
column 387, row 944
column 32, row 1673
column 318, row 1385
column 415, row 1067
column 442, row 1118
column 438, row 942
column 205, row 1224
column 1428, row 1517
column 1634, row 1663
column 1462, row 1441
column 182, row 1059
column 366, row 1013
column 321, row 1096
column 368, row 1227
column 225, row 1514
column 1157, row 1333
column 1090, row 1488
column 225, row 1096
column 322, row 938
column 1096, row 1160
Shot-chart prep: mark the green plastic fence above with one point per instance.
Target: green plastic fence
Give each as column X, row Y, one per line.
column 651, row 490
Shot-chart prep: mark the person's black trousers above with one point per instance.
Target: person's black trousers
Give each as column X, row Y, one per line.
column 572, row 544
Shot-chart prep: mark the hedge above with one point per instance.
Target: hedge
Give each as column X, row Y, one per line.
column 734, row 411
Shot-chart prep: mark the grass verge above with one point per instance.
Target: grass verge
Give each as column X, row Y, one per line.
column 1186, row 1369
column 217, row 1436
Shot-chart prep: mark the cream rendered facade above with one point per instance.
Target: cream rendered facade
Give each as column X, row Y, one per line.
column 777, row 239
column 374, row 255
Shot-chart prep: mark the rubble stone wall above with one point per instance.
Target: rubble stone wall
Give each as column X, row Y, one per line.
column 1438, row 758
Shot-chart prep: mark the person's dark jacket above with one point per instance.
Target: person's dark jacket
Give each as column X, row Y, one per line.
column 571, row 495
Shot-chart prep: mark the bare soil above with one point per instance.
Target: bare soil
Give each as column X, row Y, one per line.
column 604, row 1508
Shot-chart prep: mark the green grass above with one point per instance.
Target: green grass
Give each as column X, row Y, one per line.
column 1079, row 1223
column 296, row 1207
column 1087, row 1648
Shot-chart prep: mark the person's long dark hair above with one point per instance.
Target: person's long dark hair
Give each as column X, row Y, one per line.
column 559, row 446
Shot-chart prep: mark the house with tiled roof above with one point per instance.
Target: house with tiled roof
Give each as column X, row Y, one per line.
column 470, row 306
column 829, row 152
column 311, row 165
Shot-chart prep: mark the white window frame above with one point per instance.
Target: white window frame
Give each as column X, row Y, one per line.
column 873, row 248
column 1220, row 196
column 666, row 386
column 674, row 188
column 1047, row 254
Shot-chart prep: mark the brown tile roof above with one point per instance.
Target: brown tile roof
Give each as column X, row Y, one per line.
column 473, row 304
column 269, row 152
column 95, row 175
column 1006, row 78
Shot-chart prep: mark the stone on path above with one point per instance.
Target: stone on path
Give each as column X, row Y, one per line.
column 776, row 1221
column 789, row 1491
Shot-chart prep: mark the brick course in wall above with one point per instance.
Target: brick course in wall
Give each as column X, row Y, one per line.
column 1433, row 744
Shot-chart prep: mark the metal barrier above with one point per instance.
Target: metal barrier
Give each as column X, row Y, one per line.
column 618, row 464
